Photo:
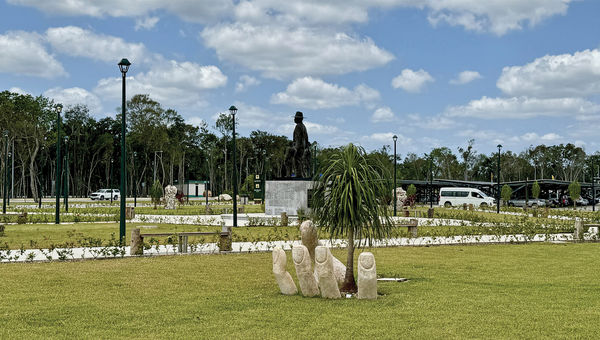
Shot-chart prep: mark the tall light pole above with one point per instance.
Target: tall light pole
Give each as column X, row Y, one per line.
column 430, row 182
column 110, row 180
column 66, row 174
column 233, row 111
column 498, row 180
column 10, row 175
column 124, row 67
column 134, row 182
column 395, row 138
column 5, row 174
column 593, row 189
column 58, row 163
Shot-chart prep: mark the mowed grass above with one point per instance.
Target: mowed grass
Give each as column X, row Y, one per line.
column 494, row 291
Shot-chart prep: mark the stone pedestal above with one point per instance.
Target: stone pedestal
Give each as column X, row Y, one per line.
column 430, row 213
column 578, row 232
column 129, row 213
column 287, row 196
column 170, row 192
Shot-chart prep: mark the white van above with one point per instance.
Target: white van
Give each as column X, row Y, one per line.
column 451, row 196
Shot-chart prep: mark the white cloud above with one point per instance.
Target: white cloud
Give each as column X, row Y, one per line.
column 283, row 52
column 439, row 122
column 535, row 138
column 383, row 114
column 465, row 77
column 245, row 82
column 171, row 83
column 565, row 75
column 74, row 96
column 523, row 108
column 387, row 138
column 314, row 93
column 196, row 11
column 412, row 81
column 75, row 41
column 24, row 53
column 146, row 23
column 18, row 90
column 496, row 16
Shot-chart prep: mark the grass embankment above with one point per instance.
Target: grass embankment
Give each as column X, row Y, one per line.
column 500, row 291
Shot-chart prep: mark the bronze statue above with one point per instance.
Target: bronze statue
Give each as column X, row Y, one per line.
column 298, row 154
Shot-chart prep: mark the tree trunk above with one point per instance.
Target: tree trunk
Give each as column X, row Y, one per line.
column 349, row 285
column 32, row 172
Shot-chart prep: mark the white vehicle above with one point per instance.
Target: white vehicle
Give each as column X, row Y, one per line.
column 451, row 196
column 104, row 194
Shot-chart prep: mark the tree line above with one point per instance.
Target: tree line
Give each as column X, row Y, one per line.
column 161, row 146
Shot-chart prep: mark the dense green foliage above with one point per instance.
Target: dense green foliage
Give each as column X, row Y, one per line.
column 497, row 291
column 505, row 193
column 170, row 150
column 574, row 191
column 535, row 190
column 156, row 193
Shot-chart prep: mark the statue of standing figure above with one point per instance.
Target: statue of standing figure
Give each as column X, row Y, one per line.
column 297, row 160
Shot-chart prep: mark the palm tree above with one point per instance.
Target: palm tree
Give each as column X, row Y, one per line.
column 348, row 202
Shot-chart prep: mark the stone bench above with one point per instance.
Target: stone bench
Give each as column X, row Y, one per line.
column 137, row 239
column 412, row 226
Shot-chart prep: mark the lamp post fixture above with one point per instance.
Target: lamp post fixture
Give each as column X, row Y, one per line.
column 233, row 111
column 395, row 138
column 593, row 189
column 315, row 158
column 58, row 163
column 66, row 193
column 10, row 176
column 124, row 67
column 498, row 180
column 5, row 174
column 134, row 182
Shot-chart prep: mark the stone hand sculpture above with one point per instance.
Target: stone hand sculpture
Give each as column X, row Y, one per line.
column 367, row 276
column 308, row 233
column 170, row 192
column 284, row 279
column 324, row 266
column 303, row 264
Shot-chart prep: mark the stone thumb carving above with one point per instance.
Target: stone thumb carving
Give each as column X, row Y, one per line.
column 367, row 276
column 284, row 279
column 324, row 265
column 303, row 264
column 308, row 233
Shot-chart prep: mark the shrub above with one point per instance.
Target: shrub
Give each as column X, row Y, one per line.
column 506, row 192
column 535, row 190
column 156, row 193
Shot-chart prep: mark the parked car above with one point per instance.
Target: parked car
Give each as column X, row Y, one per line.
column 531, row 203
column 104, row 194
column 582, row 201
column 450, row 196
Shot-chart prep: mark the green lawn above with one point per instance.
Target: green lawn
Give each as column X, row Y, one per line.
column 499, row 291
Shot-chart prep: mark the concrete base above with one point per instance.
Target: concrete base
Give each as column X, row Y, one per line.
column 286, row 196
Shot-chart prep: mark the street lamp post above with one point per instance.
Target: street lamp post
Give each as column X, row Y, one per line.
column 593, row 189
column 124, row 67
column 58, row 163
column 10, row 177
column 395, row 138
column 498, row 180
column 134, row 182
column 5, row 174
column 66, row 180
column 430, row 182
column 233, row 111
column 110, row 181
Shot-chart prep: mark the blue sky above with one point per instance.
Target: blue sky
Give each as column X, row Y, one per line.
column 435, row 73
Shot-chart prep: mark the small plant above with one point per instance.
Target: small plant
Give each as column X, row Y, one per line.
column 574, row 192
column 2, row 227
column 156, row 193
column 506, row 193
column 535, row 190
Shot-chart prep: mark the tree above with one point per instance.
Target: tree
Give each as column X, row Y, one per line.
column 156, row 193
column 348, row 203
column 411, row 195
column 574, row 192
column 468, row 156
column 535, row 190
column 506, row 193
